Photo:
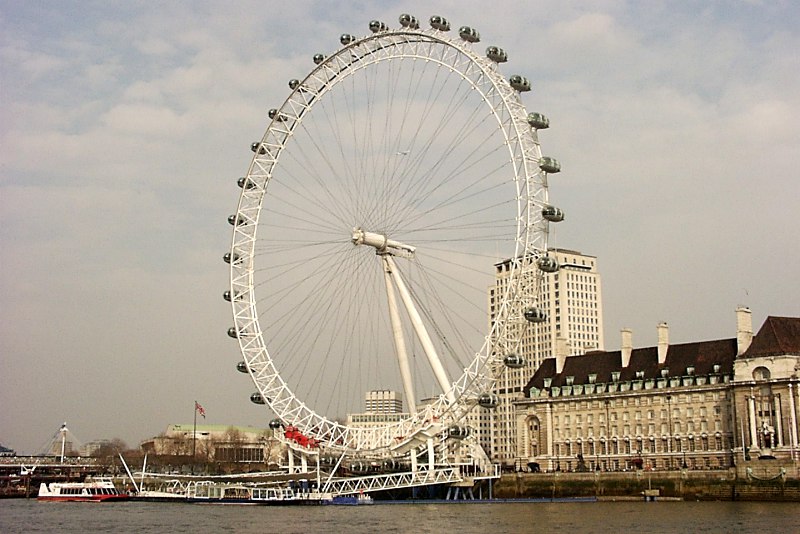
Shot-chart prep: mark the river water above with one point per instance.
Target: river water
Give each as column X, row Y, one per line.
column 19, row 515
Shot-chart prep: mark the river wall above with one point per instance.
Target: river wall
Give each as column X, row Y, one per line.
column 777, row 484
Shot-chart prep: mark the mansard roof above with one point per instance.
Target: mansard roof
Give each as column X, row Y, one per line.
column 777, row 336
column 702, row 355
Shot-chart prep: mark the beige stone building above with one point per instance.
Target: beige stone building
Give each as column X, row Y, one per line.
column 701, row 405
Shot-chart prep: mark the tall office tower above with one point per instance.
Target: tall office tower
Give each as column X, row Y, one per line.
column 571, row 298
column 383, row 401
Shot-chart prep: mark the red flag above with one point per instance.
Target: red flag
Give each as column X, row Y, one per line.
column 200, row 409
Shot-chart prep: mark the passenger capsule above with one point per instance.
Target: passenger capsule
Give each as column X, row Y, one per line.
column 488, row 400
column 547, row 264
column 470, row 35
column 244, row 183
column 376, row 26
column 538, row 121
column 440, row 23
column 235, row 220
column 458, row 432
column 346, row 39
column 228, row 257
column 535, row 315
column 242, row 367
column 275, row 424
column 227, row 295
column 496, row 54
column 232, row 333
column 258, row 147
column 549, row 165
column 409, row 21
column 257, row 398
column 275, row 115
column 514, row 361
column 520, row 83
column 294, row 84
column 553, row 214
column 318, row 58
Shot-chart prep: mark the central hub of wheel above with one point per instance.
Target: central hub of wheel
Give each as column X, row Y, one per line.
column 381, row 243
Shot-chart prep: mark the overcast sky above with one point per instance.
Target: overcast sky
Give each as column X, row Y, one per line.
column 124, row 126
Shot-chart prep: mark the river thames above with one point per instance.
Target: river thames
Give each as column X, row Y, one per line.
column 19, row 515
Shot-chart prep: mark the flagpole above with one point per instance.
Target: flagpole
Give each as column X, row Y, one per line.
column 194, row 435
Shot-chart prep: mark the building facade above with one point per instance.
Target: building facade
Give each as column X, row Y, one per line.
column 217, row 443
column 571, row 297
column 702, row 405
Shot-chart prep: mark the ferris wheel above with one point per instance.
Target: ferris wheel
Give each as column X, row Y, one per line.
column 389, row 190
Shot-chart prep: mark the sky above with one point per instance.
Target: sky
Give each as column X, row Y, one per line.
column 124, row 126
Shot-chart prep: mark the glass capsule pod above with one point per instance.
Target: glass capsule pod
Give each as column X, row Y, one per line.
column 274, row 115
column 294, row 83
column 242, row 367
column 488, row 400
column 257, row 398
column 244, row 183
column 409, row 21
column 235, row 220
column 346, row 39
column 520, row 83
column 230, row 258
column 376, row 26
column 538, row 121
column 470, row 35
column 553, row 214
column 547, row 264
column 228, row 296
column 458, row 432
column 318, row 58
column 257, row 147
column 535, row 315
column 440, row 23
column 549, row 165
column 514, row 361
column 232, row 333
column 496, row 54
column 275, row 424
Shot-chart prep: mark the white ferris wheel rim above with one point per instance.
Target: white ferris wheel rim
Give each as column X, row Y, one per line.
column 530, row 239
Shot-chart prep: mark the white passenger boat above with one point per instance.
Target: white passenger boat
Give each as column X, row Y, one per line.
column 99, row 490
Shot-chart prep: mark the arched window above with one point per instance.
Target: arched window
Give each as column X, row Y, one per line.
column 761, row 373
column 534, row 433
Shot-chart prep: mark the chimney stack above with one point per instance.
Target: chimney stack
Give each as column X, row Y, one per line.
column 627, row 346
column 562, row 349
column 663, row 342
column 744, row 329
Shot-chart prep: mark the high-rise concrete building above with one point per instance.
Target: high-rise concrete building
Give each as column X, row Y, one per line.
column 383, row 401
column 571, row 297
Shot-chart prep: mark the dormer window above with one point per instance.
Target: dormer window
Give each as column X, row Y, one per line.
column 664, row 373
column 615, row 376
column 592, row 378
column 690, row 371
column 717, row 367
column 570, row 380
column 639, row 374
column 547, row 382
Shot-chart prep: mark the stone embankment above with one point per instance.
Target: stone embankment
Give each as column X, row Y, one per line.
column 719, row 485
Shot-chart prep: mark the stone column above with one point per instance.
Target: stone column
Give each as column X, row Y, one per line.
column 776, row 399
column 751, row 412
column 793, row 419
